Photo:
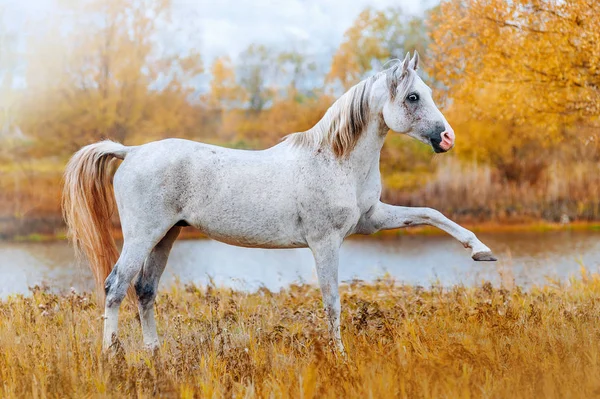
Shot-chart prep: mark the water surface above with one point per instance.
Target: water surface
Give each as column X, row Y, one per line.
column 525, row 259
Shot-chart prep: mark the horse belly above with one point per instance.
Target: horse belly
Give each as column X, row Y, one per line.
column 250, row 241
column 257, row 230
column 261, row 217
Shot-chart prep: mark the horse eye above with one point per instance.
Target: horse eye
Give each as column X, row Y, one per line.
column 413, row 97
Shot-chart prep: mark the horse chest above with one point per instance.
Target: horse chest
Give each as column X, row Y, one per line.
column 369, row 194
column 334, row 209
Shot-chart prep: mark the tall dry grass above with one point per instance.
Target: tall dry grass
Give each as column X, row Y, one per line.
column 402, row 342
column 471, row 192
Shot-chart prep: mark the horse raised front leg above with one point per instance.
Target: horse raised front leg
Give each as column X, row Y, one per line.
column 146, row 286
column 326, row 255
column 385, row 217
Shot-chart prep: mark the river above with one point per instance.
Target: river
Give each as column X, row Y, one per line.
column 525, row 259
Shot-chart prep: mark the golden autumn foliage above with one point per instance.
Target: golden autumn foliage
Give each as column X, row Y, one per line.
column 107, row 76
column 405, row 342
column 517, row 80
column 547, row 50
column 375, row 37
column 224, row 93
column 522, row 77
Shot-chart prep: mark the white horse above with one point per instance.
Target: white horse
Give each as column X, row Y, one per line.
column 313, row 190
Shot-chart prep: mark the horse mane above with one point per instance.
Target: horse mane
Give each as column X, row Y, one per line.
column 345, row 120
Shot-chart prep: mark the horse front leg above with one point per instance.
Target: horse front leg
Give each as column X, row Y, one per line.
column 326, row 254
column 386, row 217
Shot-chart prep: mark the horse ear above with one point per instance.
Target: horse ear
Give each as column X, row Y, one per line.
column 405, row 64
column 414, row 62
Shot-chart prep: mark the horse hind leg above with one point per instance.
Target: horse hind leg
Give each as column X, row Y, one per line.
column 146, row 286
column 133, row 256
column 116, row 284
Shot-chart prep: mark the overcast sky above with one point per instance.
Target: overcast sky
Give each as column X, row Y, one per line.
column 229, row 26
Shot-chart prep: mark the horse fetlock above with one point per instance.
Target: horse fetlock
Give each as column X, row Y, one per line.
column 478, row 246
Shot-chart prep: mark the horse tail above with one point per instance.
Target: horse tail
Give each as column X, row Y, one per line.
column 88, row 204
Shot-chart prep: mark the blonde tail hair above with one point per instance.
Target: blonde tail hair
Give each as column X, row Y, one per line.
column 88, row 204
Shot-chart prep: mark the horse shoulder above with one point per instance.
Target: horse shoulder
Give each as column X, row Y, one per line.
column 326, row 199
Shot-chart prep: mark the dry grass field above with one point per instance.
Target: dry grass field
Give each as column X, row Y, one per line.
column 401, row 341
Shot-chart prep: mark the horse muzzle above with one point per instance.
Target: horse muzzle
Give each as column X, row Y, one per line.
column 443, row 141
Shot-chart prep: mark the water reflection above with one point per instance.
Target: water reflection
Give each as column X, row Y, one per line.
column 525, row 259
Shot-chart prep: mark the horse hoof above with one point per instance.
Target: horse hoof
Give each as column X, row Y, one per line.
column 484, row 257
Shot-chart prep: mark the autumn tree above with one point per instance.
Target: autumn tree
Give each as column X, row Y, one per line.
column 278, row 88
column 522, row 75
column 375, row 37
column 257, row 68
column 109, row 76
column 8, row 70
column 300, row 72
column 224, row 92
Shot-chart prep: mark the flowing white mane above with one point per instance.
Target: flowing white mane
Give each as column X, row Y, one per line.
column 344, row 121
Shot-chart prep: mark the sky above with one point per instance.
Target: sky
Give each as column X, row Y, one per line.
column 227, row 27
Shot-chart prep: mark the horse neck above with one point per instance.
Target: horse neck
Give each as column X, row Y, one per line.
column 364, row 158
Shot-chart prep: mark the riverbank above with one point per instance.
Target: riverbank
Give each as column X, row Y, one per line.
column 190, row 233
column 402, row 341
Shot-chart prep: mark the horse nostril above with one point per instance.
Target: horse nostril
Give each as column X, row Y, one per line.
column 447, row 136
column 447, row 140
